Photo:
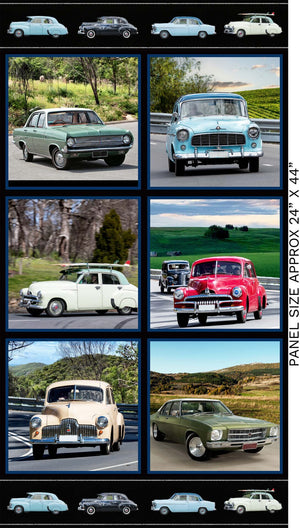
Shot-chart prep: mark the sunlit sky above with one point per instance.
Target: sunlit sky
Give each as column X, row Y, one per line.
column 187, row 212
column 170, row 357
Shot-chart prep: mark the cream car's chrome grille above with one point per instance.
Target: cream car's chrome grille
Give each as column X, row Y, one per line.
column 218, row 140
column 246, row 435
column 99, row 141
column 69, row 426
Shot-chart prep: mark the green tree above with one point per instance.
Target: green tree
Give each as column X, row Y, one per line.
column 218, row 232
column 112, row 242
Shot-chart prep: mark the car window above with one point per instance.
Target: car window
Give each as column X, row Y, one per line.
column 255, row 20
column 266, row 20
column 41, row 122
column 193, row 498
column 75, row 392
column 34, row 120
column 90, row 278
column 109, row 21
column 36, row 21
column 108, row 397
column 256, row 496
column 265, row 497
column 194, row 22
column 166, row 409
column 73, row 117
column 109, row 278
column 112, row 396
column 37, row 497
column 213, row 107
column 48, row 497
column 48, row 21
column 175, row 408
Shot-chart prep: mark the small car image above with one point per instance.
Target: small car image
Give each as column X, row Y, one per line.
column 81, row 287
column 65, row 134
column 174, row 273
column 253, row 24
column 77, row 413
column 183, row 503
column 253, row 500
column 110, row 26
column 37, row 501
column 220, row 286
column 108, row 502
column 212, row 129
column 207, row 425
column 37, row 25
column 183, row 26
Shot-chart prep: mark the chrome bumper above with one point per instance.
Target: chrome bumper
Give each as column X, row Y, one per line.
column 90, row 440
column 30, row 301
column 225, row 444
column 228, row 154
column 208, row 305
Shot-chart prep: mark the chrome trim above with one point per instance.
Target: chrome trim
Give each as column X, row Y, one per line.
column 225, row 444
column 204, row 155
column 101, row 149
column 81, row 441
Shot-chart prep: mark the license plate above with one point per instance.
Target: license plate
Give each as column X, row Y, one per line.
column 218, row 154
column 206, row 307
column 102, row 154
column 68, row 438
column 250, row 446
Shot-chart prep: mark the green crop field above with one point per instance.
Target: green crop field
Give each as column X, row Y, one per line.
column 263, row 104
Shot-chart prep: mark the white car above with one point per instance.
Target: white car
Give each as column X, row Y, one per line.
column 253, row 24
column 82, row 287
column 253, row 500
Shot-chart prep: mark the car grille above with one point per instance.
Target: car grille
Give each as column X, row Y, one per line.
column 99, row 141
column 246, row 435
column 69, row 426
column 218, row 140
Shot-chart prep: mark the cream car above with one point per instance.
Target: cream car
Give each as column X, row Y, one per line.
column 253, row 500
column 82, row 287
column 253, row 24
column 77, row 413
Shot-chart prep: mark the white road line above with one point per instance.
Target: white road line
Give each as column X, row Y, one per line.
column 117, row 465
column 23, row 441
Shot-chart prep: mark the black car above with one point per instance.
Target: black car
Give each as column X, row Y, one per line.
column 174, row 273
column 111, row 26
column 108, row 502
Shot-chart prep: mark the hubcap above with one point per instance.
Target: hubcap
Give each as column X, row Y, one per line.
column 196, row 448
column 59, row 159
column 154, row 430
column 55, row 307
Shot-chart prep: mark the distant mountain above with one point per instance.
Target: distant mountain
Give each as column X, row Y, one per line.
column 26, row 369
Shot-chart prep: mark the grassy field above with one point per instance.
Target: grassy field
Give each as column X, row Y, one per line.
column 262, row 246
column 263, row 104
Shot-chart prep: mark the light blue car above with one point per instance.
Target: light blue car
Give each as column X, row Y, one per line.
column 37, row 25
column 37, row 501
column 211, row 129
column 183, row 503
column 183, row 26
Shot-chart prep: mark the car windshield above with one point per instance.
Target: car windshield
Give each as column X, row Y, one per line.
column 73, row 117
column 75, row 392
column 189, row 407
column 213, row 107
column 217, row 267
column 70, row 275
column 176, row 266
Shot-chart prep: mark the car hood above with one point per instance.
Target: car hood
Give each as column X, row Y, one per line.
column 198, row 124
column 52, row 286
column 220, row 284
column 90, row 130
column 83, row 411
column 226, row 420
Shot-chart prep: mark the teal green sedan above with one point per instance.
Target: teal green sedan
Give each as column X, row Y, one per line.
column 65, row 134
column 206, row 426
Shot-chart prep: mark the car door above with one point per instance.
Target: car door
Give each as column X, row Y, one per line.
column 179, row 27
column 30, row 132
column 107, row 502
column 109, row 27
column 110, row 287
column 89, row 292
column 179, row 504
column 36, row 27
column 266, row 25
column 174, row 428
column 193, row 27
column 256, row 504
column 251, row 283
column 256, row 27
column 39, row 140
column 37, row 503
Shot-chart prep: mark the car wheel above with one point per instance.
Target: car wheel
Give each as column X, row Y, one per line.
column 202, row 34
column 19, row 33
column 157, row 435
column 55, row 308
column 254, row 165
column 256, row 450
column 271, row 35
column 271, row 511
column 26, row 155
column 105, row 449
column 242, row 316
column 164, row 510
column 116, row 446
column 90, row 34
column 240, row 33
column 34, row 312
column 202, row 511
column 162, row 289
column 55, row 35
column 101, row 312
column 179, row 167
column 18, row 509
column 55, row 512
column 202, row 318
column 52, row 450
column 58, row 159
column 182, row 319
column 126, row 33
column 195, row 447
column 243, row 164
column 126, row 510
column 164, row 34
column 90, row 510
column 171, row 165
column 125, row 311
column 115, row 161
column 240, row 510
column 38, row 451
column 258, row 313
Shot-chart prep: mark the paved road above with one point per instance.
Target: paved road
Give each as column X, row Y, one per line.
column 73, row 321
column 213, row 175
column 168, row 456
column 162, row 315
column 78, row 459
column 41, row 169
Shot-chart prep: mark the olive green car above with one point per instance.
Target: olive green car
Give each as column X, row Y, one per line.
column 64, row 134
column 208, row 425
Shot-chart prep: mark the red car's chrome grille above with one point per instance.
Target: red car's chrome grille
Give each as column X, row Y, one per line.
column 218, row 140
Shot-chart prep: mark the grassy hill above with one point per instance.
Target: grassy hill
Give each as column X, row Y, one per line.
column 26, row 369
column 263, row 104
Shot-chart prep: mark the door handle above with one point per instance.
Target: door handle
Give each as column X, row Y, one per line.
column 97, row 287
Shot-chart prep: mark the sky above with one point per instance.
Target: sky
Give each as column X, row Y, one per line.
column 170, row 357
column 242, row 72
column 187, row 212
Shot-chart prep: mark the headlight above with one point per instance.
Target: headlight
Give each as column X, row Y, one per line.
column 178, row 294
column 274, row 431
column 182, row 135
column 21, row 293
column 126, row 139
column 35, row 422
column 39, row 294
column 216, row 434
column 101, row 422
column 70, row 142
column 236, row 292
column 253, row 132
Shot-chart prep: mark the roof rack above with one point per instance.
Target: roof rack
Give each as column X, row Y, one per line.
column 258, row 14
column 264, row 490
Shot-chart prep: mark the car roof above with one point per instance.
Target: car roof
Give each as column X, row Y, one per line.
column 223, row 258
column 61, row 110
column 185, row 493
column 193, row 399
column 91, row 383
column 215, row 95
column 42, row 16
column 177, row 261
column 186, row 16
column 42, row 492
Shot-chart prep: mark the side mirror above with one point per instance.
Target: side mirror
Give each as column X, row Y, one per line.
column 175, row 116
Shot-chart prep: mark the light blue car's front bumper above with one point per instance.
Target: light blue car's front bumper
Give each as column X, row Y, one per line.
column 229, row 153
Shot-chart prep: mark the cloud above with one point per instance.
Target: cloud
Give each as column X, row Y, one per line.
column 257, row 66
column 276, row 70
column 230, row 84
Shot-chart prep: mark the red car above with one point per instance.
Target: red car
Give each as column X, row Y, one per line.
column 217, row 286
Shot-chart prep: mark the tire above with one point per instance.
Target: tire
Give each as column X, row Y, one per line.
column 240, row 510
column 55, row 308
column 271, row 511
column 90, row 510
column 34, row 312
column 179, row 168
column 195, row 448
column 55, row 512
column 202, row 511
column 55, row 36
column 52, row 450
column 258, row 313
column 126, row 33
column 171, row 165
column 116, row 446
column 157, row 435
column 114, row 161
column 164, row 510
column 182, row 320
column 242, row 316
column 38, row 452
column 26, row 155
column 126, row 510
column 164, row 34
column 19, row 33
column 271, row 35
column 90, row 34
column 243, row 164
column 202, row 318
column 241, row 33
column 257, row 450
column 202, row 34
column 58, row 159
column 105, row 449
column 101, row 312
column 18, row 510
column 125, row 311
column 162, row 289
column 254, row 165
